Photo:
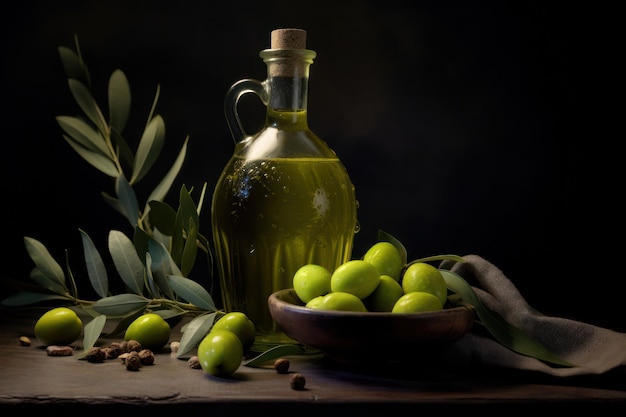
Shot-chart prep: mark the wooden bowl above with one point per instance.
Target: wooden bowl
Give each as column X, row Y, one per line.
column 353, row 337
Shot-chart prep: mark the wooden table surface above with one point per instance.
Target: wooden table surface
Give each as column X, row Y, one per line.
column 32, row 381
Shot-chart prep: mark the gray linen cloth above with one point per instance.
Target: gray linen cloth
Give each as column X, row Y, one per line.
column 593, row 349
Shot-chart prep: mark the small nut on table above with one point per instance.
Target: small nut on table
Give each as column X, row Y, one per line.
column 96, row 355
column 281, row 365
column 133, row 346
column 132, row 362
column 297, row 381
column 113, row 350
column 122, row 346
column 146, row 357
column 54, row 350
column 194, row 362
column 24, row 341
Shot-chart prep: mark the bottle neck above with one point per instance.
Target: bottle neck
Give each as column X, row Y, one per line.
column 287, row 86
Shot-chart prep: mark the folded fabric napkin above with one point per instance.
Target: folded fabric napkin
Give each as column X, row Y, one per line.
column 593, row 349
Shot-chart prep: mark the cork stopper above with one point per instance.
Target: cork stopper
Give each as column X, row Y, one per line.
column 288, row 39
column 288, row 56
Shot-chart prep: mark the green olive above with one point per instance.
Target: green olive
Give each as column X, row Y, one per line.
column 385, row 295
column 149, row 329
column 424, row 277
column 315, row 301
column 59, row 326
column 416, row 302
column 238, row 323
column 386, row 258
column 341, row 301
column 356, row 277
column 220, row 353
column 311, row 281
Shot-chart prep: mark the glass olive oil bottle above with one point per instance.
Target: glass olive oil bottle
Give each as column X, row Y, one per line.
column 284, row 198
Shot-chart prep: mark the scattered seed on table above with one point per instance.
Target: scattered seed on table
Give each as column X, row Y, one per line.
column 281, row 365
column 54, row 350
column 297, row 381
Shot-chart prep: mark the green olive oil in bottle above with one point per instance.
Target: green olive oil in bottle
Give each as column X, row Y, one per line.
column 284, row 198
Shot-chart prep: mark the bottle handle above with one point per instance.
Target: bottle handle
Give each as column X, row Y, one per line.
column 233, row 95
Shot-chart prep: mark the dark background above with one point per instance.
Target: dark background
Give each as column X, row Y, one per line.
column 484, row 128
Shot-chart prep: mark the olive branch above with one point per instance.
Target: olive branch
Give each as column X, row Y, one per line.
column 155, row 264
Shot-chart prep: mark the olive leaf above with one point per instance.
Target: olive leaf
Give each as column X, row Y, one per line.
column 178, row 239
column 201, row 199
column 119, row 100
column 95, row 159
column 73, row 63
column 190, row 249
column 125, row 155
column 25, row 298
column 120, row 305
column 88, row 104
column 74, row 289
column 44, row 261
column 450, row 257
column 187, row 208
column 154, row 104
column 140, row 240
column 279, row 352
column 128, row 200
column 192, row 292
column 162, row 217
column 164, row 186
column 161, row 267
column 150, row 147
column 194, row 332
column 151, row 284
column 84, row 134
column 126, row 261
column 91, row 333
column 95, row 266
column 161, row 237
column 114, row 202
column 386, row 237
column 46, row 283
column 170, row 312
